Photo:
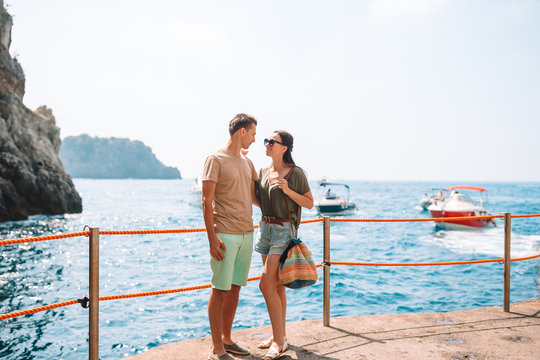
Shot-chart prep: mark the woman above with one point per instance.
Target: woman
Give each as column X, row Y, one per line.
column 281, row 181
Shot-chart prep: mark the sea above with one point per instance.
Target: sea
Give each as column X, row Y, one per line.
column 41, row 273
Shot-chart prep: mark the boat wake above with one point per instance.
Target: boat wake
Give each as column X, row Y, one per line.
column 485, row 241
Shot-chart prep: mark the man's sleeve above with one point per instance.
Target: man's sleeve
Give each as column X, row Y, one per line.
column 212, row 169
column 254, row 175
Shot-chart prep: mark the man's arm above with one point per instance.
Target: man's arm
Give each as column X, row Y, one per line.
column 208, row 191
column 254, row 199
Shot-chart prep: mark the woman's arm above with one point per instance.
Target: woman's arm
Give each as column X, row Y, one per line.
column 305, row 200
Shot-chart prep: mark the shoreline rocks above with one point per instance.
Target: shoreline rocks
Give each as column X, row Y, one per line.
column 32, row 177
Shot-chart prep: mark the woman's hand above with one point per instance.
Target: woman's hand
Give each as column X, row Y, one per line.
column 284, row 185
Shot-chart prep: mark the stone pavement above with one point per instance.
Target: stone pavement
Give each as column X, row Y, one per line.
column 484, row 333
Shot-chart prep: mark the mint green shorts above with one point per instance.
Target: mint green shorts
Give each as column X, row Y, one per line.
column 234, row 268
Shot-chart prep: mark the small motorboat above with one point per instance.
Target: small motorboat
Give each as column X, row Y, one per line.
column 426, row 200
column 460, row 204
column 330, row 203
column 195, row 193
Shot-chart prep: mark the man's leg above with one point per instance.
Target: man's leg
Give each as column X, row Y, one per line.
column 222, row 276
column 215, row 312
column 229, row 311
column 241, row 271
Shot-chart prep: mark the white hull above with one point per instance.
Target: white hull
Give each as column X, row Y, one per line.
column 334, row 207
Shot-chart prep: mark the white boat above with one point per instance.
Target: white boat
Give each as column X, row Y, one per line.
column 331, row 204
column 195, row 193
column 459, row 204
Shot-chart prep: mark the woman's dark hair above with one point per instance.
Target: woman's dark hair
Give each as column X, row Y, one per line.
column 287, row 140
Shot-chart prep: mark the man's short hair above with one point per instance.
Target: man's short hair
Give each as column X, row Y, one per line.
column 241, row 121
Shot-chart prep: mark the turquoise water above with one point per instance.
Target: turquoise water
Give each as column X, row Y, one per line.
column 43, row 273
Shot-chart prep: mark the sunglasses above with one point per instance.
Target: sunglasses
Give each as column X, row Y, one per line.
column 271, row 142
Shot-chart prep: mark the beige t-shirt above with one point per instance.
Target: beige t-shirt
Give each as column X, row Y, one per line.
column 233, row 175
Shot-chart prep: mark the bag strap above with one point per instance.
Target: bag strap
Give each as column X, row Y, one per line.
column 285, row 253
column 294, row 231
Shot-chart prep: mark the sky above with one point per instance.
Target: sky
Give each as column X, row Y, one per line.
column 421, row 90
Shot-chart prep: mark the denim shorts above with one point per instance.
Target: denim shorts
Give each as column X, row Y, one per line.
column 272, row 239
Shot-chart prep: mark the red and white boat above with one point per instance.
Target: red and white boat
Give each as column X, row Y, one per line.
column 458, row 204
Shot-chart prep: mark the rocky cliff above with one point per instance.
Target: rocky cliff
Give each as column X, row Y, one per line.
column 112, row 158
column 32, row 178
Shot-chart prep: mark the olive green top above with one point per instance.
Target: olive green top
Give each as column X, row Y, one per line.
column 271, row 198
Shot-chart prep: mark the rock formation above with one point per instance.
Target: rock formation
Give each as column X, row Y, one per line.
column 112, row 158
column 32, row 178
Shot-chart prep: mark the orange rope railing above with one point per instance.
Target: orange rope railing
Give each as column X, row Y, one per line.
column 41, row 308
column 175, row 231
column 499, row 260
column 312, row 221
column 524, row 216
column 43, row 238
column 207, row 286
column 416, row 264
column 144, row 232
column 114, row 297
column 162, row 292
column 420, row 219
column 433, row 219
column 526, row 258
column 118, row 232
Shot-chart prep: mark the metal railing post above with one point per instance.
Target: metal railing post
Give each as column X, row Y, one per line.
column 326, row 272
column 507, row 260
column 93, row 322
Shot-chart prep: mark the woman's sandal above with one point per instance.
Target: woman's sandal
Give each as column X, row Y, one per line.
column 266, row 343
column 274, row 352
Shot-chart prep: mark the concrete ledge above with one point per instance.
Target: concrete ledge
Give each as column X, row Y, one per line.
column 485, row 333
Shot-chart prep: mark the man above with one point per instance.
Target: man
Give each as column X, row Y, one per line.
column 228, row 187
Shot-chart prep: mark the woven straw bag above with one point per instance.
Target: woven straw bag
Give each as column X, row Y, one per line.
column 297, row 269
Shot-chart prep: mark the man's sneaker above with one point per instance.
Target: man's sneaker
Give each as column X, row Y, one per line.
column 236, row 349
column 222, row 357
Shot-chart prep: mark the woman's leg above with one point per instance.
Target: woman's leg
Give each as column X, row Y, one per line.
column 265, row 344
column 280, row 289
column 268, row 286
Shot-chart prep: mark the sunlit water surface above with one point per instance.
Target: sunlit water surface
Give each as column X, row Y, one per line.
column 41, row 273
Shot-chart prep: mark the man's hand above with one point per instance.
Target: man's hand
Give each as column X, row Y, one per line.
column 216, row 246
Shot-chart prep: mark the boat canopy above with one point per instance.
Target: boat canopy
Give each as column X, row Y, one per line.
column 475, row 188
column 329, row 183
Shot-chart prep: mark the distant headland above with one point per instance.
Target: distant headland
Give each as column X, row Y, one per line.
column 84, row 156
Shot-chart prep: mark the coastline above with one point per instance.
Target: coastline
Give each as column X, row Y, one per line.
column 483, row 333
